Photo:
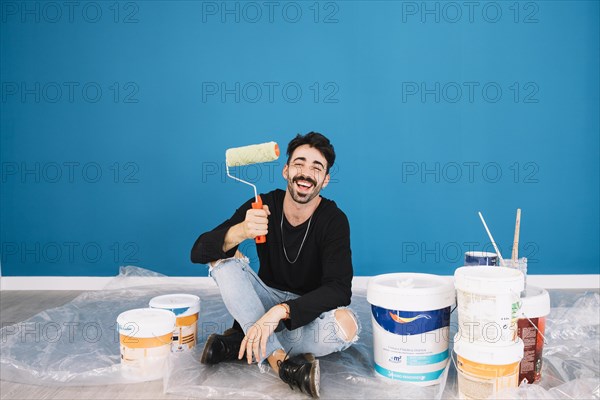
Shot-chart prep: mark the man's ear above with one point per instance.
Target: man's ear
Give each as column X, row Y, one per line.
column 285, row 172
column 326, row 181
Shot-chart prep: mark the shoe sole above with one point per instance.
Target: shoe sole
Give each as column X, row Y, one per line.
column 315, row 375
column 209, row 342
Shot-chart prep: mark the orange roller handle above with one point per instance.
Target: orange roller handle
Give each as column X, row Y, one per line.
column 258, row 205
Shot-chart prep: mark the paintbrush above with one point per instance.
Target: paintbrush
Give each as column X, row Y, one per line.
column 492, row 240
column 515, row 249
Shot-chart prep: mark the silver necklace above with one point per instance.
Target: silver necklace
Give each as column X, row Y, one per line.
column 301, row 244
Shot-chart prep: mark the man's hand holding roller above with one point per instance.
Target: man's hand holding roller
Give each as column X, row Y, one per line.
column 255, row 224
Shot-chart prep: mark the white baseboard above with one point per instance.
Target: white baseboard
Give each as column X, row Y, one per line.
column 591, row 281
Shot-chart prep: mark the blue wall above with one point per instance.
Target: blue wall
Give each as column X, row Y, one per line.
column 116, row 116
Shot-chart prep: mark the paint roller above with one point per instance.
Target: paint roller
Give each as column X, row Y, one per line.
column 253, row 154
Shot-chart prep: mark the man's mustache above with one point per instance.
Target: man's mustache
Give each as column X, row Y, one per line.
column 304, row 178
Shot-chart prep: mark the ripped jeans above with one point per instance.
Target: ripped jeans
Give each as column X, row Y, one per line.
column 247, row 299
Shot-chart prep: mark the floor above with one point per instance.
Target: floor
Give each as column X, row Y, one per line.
column 16, row 306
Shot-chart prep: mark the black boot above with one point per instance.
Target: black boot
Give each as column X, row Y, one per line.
column 301, row 371
column 225, row 347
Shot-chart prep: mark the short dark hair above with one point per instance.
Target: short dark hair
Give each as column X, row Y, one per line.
column 316, row 140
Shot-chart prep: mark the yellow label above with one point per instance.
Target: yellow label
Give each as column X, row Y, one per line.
column 188, row 320
column 141, row 343
column 477, row 381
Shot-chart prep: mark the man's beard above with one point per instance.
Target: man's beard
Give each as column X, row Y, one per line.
column 303, row 197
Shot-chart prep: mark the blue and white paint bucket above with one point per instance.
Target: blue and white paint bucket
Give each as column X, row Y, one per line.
column 411, row 319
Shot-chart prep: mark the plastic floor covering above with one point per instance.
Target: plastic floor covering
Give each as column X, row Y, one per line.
column 78, row 344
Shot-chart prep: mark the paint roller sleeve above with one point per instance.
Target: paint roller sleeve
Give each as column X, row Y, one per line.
column 256, row 153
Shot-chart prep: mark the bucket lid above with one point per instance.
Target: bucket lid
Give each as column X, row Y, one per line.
column 486, row 354
column 180, row 304
column 536, row 302
column 146, row 322
column 410, row 291
column 480, row 254
column 487, row 279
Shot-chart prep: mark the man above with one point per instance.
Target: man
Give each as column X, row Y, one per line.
column 294, row 309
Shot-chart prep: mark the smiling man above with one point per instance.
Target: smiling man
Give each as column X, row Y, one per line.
column 294, row 309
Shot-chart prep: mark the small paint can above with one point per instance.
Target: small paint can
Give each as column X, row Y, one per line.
column 480, row 258
column 186, row 308
column 145, row 342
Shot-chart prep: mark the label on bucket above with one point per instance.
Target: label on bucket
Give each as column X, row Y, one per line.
column 185, row 333
column 531, row 364
column 410, row 322
column 144, row 358
column 410, row 346
column 488, row 319
column 480, row 381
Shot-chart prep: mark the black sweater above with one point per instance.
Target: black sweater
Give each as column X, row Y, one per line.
column 322, row 275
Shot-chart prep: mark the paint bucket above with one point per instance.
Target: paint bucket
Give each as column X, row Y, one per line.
column 145, row 341
column 186, row 308
column 411, row 318
column 488, row 303
column 480, row 258
column 535, row 306
column 483, row 370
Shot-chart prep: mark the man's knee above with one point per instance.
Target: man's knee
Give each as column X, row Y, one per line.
column 238, row 254
column 347, row 324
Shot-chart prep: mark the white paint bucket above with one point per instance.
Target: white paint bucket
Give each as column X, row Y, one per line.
column 186, row 308
column 484, row 370
column 488, row 303
column 411, row 318
column 535, row 306
column 145, row 341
